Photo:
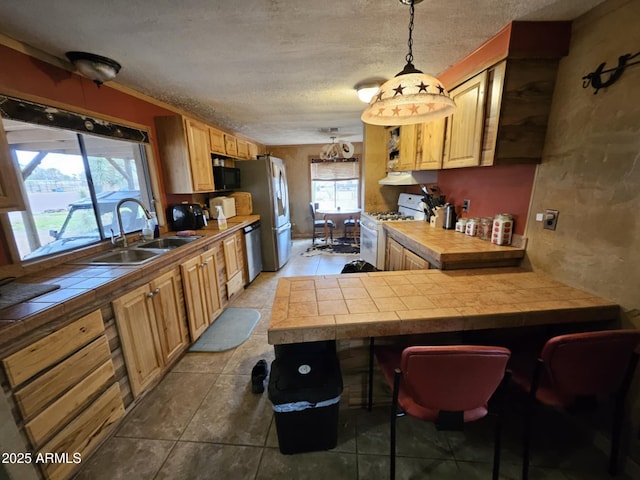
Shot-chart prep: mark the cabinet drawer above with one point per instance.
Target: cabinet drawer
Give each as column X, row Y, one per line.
column 84, row 432
column 235, row 285
column 31, row 360
column 34, row 396
column 67, row 407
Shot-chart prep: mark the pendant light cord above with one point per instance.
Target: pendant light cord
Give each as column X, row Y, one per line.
column 409, row 57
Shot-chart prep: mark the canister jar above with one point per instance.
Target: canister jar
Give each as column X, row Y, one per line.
column 461, row 225
column 471, row 228
column 484, row 229
column 502, row 230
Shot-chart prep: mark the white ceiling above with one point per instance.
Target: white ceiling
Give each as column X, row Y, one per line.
column 280, row 72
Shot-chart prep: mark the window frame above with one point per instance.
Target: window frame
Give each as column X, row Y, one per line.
column 355, row 159
column 15, row 263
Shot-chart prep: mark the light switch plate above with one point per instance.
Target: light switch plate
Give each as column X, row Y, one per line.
column 551, row 219
column 465, row 205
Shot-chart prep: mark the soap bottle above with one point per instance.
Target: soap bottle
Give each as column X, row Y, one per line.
column 222, row 220
column 154, row 225
column 147, row 230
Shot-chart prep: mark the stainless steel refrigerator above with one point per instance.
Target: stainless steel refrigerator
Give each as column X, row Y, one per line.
column 266, row 180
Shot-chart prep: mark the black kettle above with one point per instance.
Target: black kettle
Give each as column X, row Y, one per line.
column 449, row 217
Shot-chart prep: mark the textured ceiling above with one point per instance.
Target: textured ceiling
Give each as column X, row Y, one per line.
column 278, row 71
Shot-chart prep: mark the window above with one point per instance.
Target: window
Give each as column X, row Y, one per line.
column 72, row 183
column 335, row 183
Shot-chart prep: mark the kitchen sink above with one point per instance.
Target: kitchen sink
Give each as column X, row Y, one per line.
column 167, row 242
column 129, row 256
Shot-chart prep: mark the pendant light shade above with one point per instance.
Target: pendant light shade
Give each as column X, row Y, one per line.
column 411, row 96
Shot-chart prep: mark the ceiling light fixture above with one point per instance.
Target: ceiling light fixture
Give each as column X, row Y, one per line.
column 411, row 96
column 333, row 150
column 367, row 89
column 97, row 68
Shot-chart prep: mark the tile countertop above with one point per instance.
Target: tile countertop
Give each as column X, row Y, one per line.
column 363, row 305
column 446, row 249
column 90, row 285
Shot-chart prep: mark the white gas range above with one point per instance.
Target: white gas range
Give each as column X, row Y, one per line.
column 372, row 237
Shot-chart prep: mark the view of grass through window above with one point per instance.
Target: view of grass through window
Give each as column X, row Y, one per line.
column 72, row 183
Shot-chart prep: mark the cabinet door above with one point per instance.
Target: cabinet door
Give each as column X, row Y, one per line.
column 231, row 256
column 209, row 283
column 216, row 140
column 199, row 156
column 395, row 255
column 465, row 126
column 414, row 262
column 230, row 145
column 253, row 151
column 430, row 144
column 137, row 326
column 407, row 159
column 169, row 310
column 194, row 297
column 243, row 148
column 10, row 195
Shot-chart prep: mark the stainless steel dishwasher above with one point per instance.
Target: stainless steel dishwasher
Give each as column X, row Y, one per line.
column 254, row 254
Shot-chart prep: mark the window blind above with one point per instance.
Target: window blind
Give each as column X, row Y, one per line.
column 335, row 169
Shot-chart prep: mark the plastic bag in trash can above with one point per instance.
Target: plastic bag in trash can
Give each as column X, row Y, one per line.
column 358, row 266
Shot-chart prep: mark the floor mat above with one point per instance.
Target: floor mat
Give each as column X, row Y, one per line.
column 229, row 330
column 332, row 249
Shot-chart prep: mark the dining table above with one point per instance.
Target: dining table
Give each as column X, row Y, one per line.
column 339, row 215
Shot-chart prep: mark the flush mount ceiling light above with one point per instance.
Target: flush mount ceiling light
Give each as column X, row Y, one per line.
column 367, row 89
column 97, row 68
column 411, row 96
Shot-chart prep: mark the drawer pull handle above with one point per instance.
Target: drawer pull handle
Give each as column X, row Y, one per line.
column 154, row 293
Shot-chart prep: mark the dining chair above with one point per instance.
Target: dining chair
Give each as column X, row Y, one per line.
column 324, row 225
column 576, row 370
column 447, row 385
column 351, row 229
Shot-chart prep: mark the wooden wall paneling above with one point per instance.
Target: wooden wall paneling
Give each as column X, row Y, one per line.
column 34, row 396
column 84, row 432
column 29, row 361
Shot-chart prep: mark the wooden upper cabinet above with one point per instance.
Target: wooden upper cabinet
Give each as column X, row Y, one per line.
column 10, row 194
column 430, row 144
column 407, row 158
column 253, row 151
column 242, row 148
column 465, row 126
column 185, row 154
column 230, row 145
column 216, row 139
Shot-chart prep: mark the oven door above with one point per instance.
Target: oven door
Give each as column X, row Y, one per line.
column 369, row 244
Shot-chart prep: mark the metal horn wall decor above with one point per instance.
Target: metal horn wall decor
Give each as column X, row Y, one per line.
column 595, row 78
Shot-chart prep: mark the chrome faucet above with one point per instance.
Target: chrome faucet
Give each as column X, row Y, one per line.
column 122, row 238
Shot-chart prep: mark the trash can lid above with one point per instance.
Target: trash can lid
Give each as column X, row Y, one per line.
column 304, row 378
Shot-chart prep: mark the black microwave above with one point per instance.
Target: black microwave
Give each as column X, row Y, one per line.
column 226, row 178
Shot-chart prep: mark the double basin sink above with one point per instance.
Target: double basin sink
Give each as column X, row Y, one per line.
column 138, row 253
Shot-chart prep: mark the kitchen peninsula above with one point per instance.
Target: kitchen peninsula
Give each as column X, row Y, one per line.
column 448, row 249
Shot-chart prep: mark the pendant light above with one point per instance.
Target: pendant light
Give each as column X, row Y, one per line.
column 411, row 96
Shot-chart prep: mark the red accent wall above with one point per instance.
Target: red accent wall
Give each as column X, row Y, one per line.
column 491, row 190
column 22, row 74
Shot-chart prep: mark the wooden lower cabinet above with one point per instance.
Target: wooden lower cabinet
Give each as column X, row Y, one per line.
column 200, row 286
column 233, row 260
column 394, row 255
column 152, row 329
column 400, row 258
column 411, row 261
column 66, row 394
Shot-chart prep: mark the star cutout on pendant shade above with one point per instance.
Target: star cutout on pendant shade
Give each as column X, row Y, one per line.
column 413, row 109
column 398, row 90
column 422, row 87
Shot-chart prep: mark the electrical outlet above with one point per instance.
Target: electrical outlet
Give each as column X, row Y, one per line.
column 465, row 205
column 551, row 219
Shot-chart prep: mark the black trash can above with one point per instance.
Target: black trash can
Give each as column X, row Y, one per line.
column 304, row 387
column 359, row 265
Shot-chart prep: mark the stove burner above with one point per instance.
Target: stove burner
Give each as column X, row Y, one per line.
column 389, row 216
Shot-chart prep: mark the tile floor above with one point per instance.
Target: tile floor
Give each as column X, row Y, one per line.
column 203, row 422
